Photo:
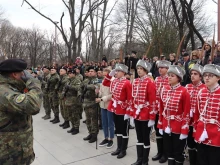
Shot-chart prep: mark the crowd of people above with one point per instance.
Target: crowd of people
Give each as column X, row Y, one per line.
column 179, row 97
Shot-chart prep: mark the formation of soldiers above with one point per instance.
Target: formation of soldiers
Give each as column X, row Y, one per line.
column 180, row 99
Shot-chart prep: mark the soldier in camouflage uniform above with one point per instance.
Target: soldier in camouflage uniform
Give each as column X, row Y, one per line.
column 16, row 110
column 63, row 80
column 89, row 95
column 52, row 87
column 78, row 75
column 72, row 103
column 46, row 103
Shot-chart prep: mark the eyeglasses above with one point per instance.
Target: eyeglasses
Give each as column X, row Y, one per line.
column 208, row 75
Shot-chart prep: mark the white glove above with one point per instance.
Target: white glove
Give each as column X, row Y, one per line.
column 126, row 117
column 132, row 121
column 161, row 131
column 182, row 136
column 151, row 123
column 112, row 73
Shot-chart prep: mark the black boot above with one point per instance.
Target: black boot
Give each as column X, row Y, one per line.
column 76, row 131
column 139, row 155
column 145, row 159
column 171, row 161
column 93, row 138
column 192, row 156
column 88, row 137
column 119, row 143
column 57, row 120
column 163, row 159
column 53, row 119
column 159, row 150
column 123, row 148
column 179, row 163
column 66, row 125
column 71, row 130
column 61, row 125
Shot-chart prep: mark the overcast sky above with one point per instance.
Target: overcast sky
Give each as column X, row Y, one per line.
column 27, row 18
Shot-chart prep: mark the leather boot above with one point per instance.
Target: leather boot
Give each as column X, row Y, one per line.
column 119, row 143
column 123, row 148
column 192, row 157
column 57, row 120
column 53, row 119
column 163, row 159
column 145, row 159
column 159, row 150
column 66, row 125
column 44, row 116
column 47, row 117
column 88, row 137
column 178, row 163
column 71, row 130
column 139, row 155
column 61, row 125
column 171, row 161
column 75, row 131
column 93, row 138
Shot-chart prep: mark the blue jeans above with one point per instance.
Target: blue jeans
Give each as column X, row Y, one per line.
column 107, row 123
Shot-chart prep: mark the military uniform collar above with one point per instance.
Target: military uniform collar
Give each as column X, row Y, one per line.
column 175, row 86
column 215, row 88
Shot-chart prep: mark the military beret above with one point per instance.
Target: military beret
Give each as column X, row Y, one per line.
column 72, row 71
column 64, row 67
column 46, row 67
column 53, row 67
column 13, row 65
column 78, row 67
column 92, row 67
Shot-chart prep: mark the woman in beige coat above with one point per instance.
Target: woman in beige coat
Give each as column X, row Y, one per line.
column 107, row 116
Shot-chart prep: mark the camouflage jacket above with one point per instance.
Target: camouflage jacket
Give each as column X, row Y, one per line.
column 71, row 92
column 53, row 84
column 44, row 82
column 79, row 76
column 16, row 110
column 63, row 80
column 88, row 91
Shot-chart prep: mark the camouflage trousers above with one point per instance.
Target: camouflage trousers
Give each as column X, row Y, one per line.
column 46, row 104
column 54, row 103
column 92, row 119
column 63, row 109
column 74, row 115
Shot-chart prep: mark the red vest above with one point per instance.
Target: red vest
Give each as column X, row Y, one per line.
column 143, row 99
column 207, row 117
column 121, row 96
column 160, row 82
column 193, row 92
column 174, row 109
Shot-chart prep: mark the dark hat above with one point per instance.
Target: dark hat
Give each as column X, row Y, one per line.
column 53, row 67
column 100, row 69
column 46, row 67
column 77, row 67
column 92, row 67
column 64, row 67
column 134, row 52
column 72, row 71
column 13, row 65
column 185, row 54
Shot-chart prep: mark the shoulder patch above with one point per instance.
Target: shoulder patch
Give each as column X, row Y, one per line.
column 20, row 98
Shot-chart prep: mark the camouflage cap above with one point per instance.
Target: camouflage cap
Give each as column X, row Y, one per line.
column 177, row 70
column 13, row 65
column 211, row 68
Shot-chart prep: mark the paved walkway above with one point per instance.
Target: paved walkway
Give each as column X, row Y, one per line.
column 54, row 146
